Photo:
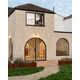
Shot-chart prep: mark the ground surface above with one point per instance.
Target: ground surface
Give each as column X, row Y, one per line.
column 65, row 73
column 47, row 71
column 24, row 71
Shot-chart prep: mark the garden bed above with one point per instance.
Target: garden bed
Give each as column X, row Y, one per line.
column 22, row 65
column 19, row 63
column 11, row 66
column 65, row 61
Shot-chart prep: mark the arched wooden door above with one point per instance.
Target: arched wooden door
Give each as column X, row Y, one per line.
column 35, row 49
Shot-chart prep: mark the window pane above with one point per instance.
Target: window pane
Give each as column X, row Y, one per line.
column 40, row 50
column 39, row 19
column 30, row 18
column 29, row 50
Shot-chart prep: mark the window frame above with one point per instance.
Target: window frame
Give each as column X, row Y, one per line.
column 43, row 25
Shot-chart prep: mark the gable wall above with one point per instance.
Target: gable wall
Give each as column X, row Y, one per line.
column 24, row 33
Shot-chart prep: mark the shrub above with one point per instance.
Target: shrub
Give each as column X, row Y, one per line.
column 29, row 61
column 9, row 61
column 18, row 61
column 66, row 59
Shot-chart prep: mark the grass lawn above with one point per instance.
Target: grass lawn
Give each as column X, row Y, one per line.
column 65, row 73
column 24, row 71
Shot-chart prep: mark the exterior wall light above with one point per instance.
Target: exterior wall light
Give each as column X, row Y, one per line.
column 35, row 35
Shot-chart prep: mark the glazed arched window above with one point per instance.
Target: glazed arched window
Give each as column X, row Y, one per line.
column 35, row 49
column 62, row 47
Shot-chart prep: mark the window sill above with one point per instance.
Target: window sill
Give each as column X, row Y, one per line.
column 36, row 25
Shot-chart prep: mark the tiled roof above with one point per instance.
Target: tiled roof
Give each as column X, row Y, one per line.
column 68, row 17
column 32, row 7
column 29, row 7
column 10, row 11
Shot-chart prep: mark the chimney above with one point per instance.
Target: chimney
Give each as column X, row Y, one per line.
column 54, row 9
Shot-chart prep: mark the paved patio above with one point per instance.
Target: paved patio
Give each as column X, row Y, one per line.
column 47, row 71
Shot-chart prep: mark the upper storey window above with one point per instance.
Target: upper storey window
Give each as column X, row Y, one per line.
column 30, row 19
column 36, row 19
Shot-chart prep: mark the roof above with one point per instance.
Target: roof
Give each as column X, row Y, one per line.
column 10, row 11
column 62, row 32
column 68, row 17
column 32, row 7
column 29, row 7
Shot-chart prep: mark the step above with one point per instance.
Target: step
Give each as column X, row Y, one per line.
column 47, row 63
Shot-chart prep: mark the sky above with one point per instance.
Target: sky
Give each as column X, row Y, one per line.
column 61, row 7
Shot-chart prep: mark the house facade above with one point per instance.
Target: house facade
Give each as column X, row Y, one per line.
column 34, row 33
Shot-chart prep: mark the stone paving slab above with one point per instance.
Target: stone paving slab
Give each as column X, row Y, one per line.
column 47, row 71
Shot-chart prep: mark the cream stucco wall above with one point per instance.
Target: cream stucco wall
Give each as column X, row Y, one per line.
column 12, row 30
column 62, row 25
column 23, row 33
column 58, row 23
column 68, row 25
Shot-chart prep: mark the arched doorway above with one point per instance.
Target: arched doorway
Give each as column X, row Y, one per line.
column 35, row 49
column 62, row 47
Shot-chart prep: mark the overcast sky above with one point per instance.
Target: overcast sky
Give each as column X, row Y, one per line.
column 62, row 7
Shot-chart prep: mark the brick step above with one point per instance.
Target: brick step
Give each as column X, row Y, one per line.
column 47, row 63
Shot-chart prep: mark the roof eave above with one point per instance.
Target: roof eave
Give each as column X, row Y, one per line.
column 34, row 10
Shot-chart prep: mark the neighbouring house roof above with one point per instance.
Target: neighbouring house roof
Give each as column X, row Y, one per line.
column 29, row 7
column 10, row 11
column 68, row 17
column 62, row 32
